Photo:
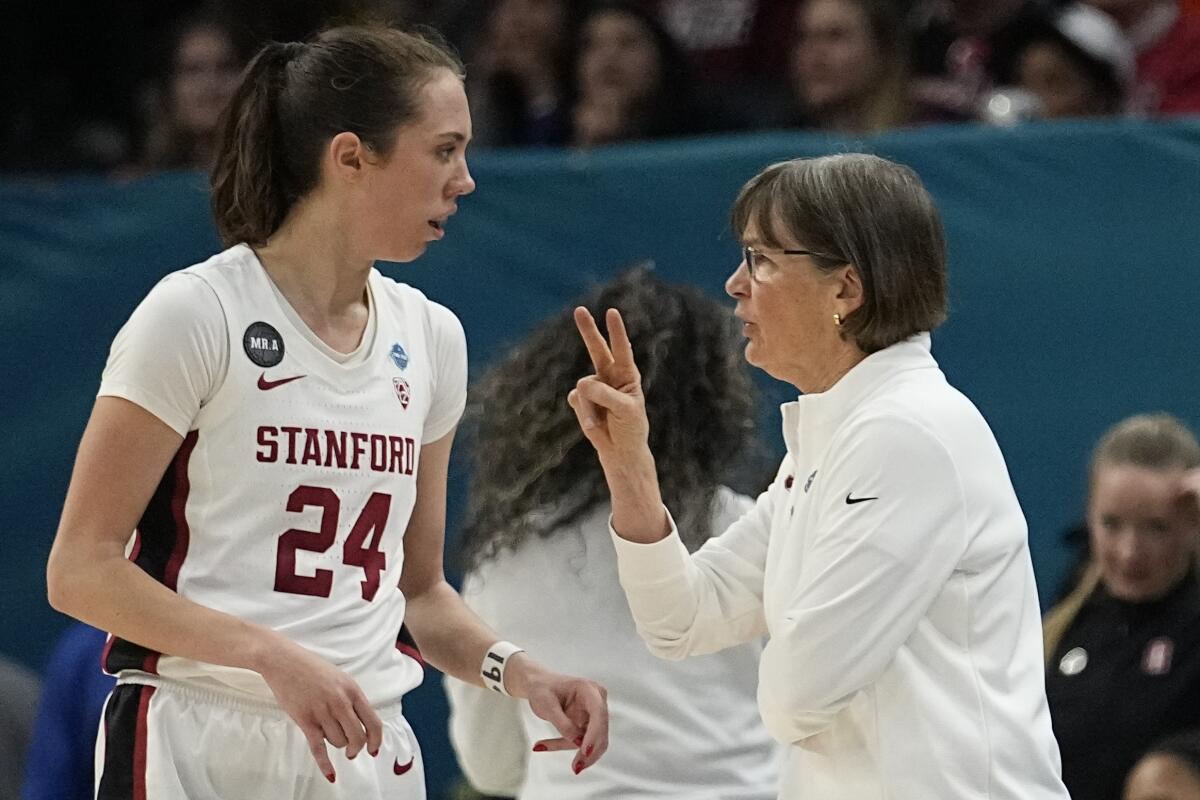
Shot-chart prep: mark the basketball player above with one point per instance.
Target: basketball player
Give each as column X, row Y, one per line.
column 276, row 423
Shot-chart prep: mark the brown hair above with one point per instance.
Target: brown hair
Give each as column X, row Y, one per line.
column 865, row 211
column 169, row 143
column 887, row 104
column 294, row 97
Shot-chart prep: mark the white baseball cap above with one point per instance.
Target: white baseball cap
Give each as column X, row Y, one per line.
column 1096, row 34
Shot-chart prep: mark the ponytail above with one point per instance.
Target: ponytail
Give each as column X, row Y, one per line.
column 248, row 199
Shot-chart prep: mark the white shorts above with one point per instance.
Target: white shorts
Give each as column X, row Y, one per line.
column 169, row 741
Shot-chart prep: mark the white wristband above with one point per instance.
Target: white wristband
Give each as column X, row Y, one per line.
column 494, row 663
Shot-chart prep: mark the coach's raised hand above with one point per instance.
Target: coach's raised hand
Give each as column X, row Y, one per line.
column 611, row 409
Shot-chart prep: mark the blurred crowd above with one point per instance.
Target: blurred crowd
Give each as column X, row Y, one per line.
column 110, row 96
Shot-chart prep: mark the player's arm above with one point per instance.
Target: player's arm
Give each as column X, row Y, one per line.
column 453, row 639
column 486, row 728
column 123, row 454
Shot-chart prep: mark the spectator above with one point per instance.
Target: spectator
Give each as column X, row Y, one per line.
column 1169, row 771
column 521, row 78
column 737, row 48
column 1077, row 63
column 849, row 68
column 1167, row 41
column 538, row 529
column 634, row 82
column 18, row 699
column 965, row 48
column 204, row 63
column 1124, row 649
column 727, row 40
column 63, row 749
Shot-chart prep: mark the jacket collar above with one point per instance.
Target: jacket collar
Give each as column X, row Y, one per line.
column 823, row 412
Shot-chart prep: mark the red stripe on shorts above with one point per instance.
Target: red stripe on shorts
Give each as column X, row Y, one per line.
column 139, row 745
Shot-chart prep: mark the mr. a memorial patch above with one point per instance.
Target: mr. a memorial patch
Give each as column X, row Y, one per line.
column 263, row 344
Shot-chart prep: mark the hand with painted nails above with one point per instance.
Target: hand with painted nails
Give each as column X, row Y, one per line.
column 576, row 707
column 323, row 700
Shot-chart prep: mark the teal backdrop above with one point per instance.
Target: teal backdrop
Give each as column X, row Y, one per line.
column 1075, row 276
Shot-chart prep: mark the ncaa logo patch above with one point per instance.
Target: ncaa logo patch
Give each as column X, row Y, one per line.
column 263, row 344
column 398, row 356
column 402, row 391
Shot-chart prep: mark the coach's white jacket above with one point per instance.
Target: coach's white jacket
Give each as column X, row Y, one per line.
column 888, row 564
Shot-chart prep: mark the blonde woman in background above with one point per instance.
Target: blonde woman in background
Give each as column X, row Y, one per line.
column 1123, row 649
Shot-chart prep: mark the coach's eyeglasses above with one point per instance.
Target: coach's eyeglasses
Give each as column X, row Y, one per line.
column 752, row 255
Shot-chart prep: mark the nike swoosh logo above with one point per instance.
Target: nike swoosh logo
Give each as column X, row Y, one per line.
column 265, row 384
column 400, row 769
column 852, row 500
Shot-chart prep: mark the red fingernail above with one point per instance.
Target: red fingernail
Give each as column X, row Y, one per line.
column 588, row 752
column 578, row 741
column 375, row 754
column 578, row 767
column 539, row 748
column 331, row 777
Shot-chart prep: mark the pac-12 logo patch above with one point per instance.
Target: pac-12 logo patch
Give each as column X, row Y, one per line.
column 398, row 356
column 402, row 391
column 263, row 344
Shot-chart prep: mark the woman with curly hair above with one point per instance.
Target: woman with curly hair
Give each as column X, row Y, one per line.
column 538, row 529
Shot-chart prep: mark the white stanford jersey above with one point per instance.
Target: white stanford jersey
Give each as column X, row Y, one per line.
column 288, row 500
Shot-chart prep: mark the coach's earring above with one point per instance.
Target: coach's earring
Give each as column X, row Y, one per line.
column 837, row 320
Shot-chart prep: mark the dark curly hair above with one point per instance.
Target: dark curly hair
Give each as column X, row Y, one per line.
column 534, row 472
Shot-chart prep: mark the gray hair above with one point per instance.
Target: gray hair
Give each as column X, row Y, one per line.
column 864, row 211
